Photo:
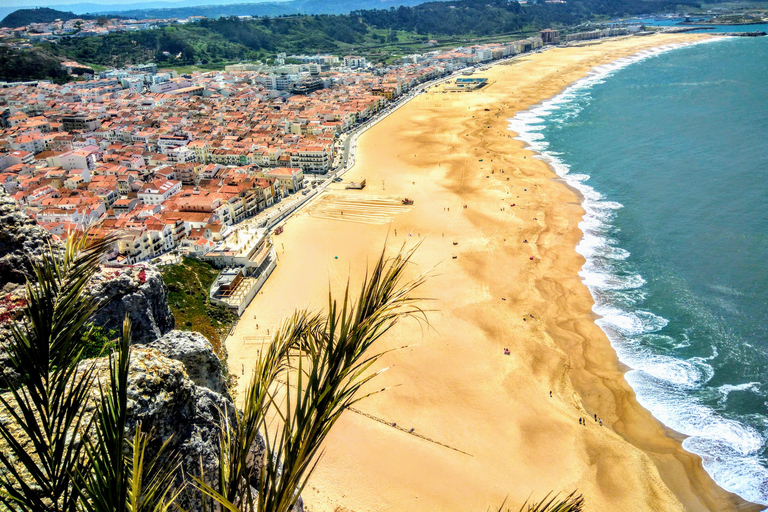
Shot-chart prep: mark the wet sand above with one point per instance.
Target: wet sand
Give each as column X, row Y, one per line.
column 484, row 425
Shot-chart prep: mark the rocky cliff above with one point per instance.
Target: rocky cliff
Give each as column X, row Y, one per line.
column 140, row 293
column 20, row 239
column 177, row 384
column 203, row 367
column 168, row 401
column 137, row 291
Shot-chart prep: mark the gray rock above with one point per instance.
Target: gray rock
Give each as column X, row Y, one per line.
column 177, row 385
column 20, row 240
column 137, row 291
column 140, row 293
column 170, row 405
column 196, row 353
column 11, row 308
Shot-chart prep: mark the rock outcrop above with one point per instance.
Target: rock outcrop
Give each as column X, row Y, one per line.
column 177, row 385
column 196, row 353
column 167, row 402
column 140, row 293
column 171, row 407
column 137, row 291
column 20, row 239
column 172, row 391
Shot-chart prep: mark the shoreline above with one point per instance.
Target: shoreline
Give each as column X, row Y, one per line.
column 456, row 388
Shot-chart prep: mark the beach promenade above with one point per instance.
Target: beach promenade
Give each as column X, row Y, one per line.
column 466, row 426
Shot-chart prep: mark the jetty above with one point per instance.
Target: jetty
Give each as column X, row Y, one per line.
column 746, row 34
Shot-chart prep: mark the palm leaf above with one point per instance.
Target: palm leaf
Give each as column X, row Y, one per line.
column 571, row 503
column 47, row 409
column 312, row 370
column 117, row 478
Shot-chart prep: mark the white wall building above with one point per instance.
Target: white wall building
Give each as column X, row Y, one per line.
column 158, row 191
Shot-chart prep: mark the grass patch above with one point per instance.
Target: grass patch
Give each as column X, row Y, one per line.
column 98, row 342
column 188, row 285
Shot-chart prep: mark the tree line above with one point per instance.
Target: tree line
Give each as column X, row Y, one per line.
column 215, row 41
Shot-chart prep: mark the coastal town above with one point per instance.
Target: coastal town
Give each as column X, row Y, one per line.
column 460, row 199
column 173, row 164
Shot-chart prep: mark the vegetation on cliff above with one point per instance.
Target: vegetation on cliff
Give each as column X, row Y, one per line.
column 34, row 64
column 189, row 283
column 369, row 32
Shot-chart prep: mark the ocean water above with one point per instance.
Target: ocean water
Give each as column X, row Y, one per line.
column 710, row 29
column 670, row 151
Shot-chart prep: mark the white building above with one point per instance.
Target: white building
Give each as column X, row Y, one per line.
column 84, row 158
column 158, row 191
column 351, row 61
column 181, row 155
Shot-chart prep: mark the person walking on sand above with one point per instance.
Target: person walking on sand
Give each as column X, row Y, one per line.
column 579, row 421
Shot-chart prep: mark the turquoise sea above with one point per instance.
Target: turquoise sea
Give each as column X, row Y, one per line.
column 670, row 151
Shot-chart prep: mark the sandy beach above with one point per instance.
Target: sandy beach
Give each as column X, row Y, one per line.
column 485, row 428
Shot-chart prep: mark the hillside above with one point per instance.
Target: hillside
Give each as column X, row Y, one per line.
column 22, row 17
column 273, row 8
column 493, row 17
column 188, row 285
column 369, row 32
column 35, row 64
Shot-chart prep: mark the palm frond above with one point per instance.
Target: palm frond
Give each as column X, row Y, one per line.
column 313, row 369
column 237, row 468
column 117, row 478
column 105, row 481
column 47, row 408
column 553, row 503
column 151, row 483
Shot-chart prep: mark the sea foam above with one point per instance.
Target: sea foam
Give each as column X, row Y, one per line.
column 730, row 450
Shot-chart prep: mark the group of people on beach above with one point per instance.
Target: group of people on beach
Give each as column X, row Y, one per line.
column 582, row 421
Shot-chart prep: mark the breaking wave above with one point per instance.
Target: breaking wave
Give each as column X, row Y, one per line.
column 663, row 384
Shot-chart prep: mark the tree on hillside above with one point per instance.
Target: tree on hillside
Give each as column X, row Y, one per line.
column 35, row 64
